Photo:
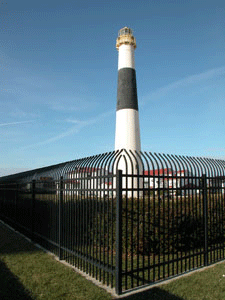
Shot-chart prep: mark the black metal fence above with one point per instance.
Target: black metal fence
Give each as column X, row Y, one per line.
column 158, row 217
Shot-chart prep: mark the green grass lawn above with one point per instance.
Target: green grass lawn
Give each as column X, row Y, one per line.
column 26, row 272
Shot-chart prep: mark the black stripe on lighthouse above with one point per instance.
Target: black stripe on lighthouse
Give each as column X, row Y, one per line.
column 127, row 89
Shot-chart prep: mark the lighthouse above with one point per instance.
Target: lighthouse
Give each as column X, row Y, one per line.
column 127, row 115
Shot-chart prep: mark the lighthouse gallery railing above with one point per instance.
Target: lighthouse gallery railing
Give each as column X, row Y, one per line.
column 161, row 216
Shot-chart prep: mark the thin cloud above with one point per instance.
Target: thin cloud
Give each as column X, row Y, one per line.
column 14, row 123
column 90, row 121
column 78, row 126
column 21, row 114
column 70, row 104
column 190, row 80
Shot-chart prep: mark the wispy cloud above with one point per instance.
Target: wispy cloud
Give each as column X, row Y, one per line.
column 190, row 80
column 22, row 114
column 78, row 126
column 15, row 123
column 70, row 104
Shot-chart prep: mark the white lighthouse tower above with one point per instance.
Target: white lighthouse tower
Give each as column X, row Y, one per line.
column 127, row 116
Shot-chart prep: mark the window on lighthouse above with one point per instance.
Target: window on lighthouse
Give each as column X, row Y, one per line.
column 125, row 31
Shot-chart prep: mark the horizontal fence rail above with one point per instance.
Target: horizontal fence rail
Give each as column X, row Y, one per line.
column 126, row 218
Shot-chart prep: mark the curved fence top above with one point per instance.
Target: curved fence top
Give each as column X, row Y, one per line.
column 145, row 163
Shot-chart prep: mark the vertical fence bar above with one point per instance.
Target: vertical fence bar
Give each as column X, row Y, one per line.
column 60, row 216
column 16, row 201
column 119, row 232
column 205, row 211
column 33, row 208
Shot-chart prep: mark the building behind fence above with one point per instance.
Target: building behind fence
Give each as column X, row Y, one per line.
column 128, row 229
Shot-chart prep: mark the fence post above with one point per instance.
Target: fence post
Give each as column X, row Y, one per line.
column 60, row 216
column 119, row 232
column 4, row 198
column 32, row 208
column 16, row 200
column 205, row 211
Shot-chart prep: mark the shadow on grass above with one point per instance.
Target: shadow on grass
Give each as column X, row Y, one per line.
column 152, row 294
column 13, row 243
column 10, row 287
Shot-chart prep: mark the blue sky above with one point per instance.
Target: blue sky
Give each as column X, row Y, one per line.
column 58, row 78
